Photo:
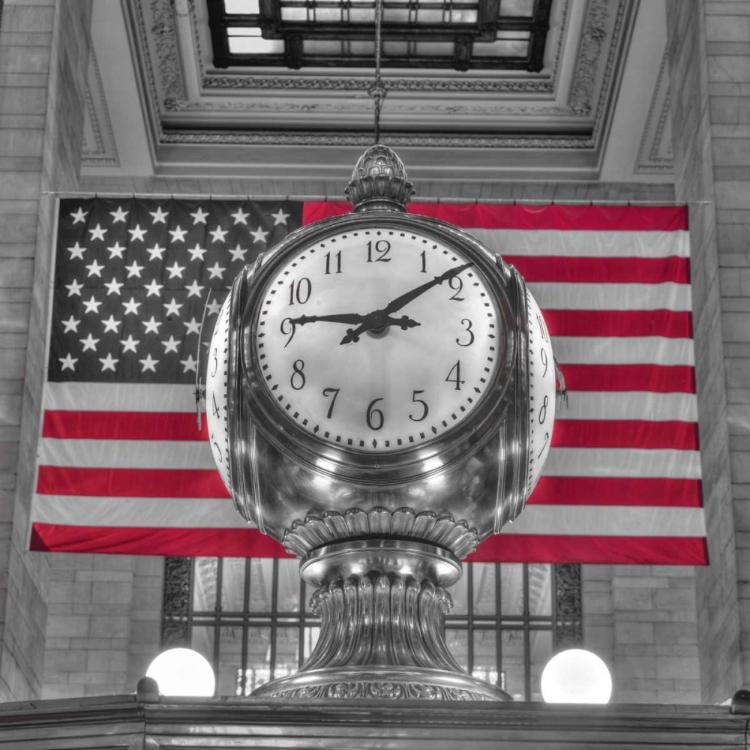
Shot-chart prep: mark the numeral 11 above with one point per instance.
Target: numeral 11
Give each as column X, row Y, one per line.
column 336, row 263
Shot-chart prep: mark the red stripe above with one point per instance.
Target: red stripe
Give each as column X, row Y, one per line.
column 66, row 480
column 616, row 323
column 122, row 425
column 618, row 491
column 612, row 550
column 591, row 433
column 134, row 540
column 653, row 378
column 251, row 543
column 593, row 270
column 508, row 216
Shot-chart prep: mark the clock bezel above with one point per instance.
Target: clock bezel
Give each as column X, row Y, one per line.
column 407, row 462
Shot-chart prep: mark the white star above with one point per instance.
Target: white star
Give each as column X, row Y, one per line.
column 152, row 326
column 193, row 326
column 134, row 269
column 173, row 307
column 68, row 362
column 159, row 216
column 218, row 234
column 110, row 324
column 76, row 251
column 189, row 364
column 118, row 215
column 194, row 289
column 212, row 308
column 116, row 250
column 170, row 345
column 153, row 288
column 74, row 288
column 79, row 215
column 240, row 217
column 114, row 286
column 259, row 235
column 178, row 235
column 89, row 343
column 216, row 271
column 129, row 344
column 148, row 363
column 197, row 252
column 175, row 270
column 280, row 217
column 92, row 305
column 97, row 233
column 199, row 217
column 95, row 269
column 137, row 233
column 131, row 306
column 155, row 252
column 108, row 363
column 71, row 324
column 238, row 253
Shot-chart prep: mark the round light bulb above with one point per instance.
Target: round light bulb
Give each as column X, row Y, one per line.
column 183, row 672
column 576, row 676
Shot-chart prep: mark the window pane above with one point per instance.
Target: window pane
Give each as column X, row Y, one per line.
column 512, row 589
column 541, row 653
column 458, row 645
column 485, row 655
column 458, row 592
column 258, row 657
column 287, row 652
column 484, row 588
column 205, row 572
column 233, row 584
column 513, row 663
column 261, row 584
column 311, row 638
column 230, row 660
column 289, row 585
column 202, row 641
column 241, row 6
column 540, row 589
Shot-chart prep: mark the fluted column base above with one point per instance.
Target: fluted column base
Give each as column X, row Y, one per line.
column 381, row 603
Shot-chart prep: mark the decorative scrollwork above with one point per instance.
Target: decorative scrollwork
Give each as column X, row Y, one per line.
column 176, row 602
column 568, row 620
column 381, row 690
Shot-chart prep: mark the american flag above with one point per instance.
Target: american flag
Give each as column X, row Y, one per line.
column 125, row 467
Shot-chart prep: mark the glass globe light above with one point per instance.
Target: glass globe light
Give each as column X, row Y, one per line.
column 183, row 672
column 576, row 676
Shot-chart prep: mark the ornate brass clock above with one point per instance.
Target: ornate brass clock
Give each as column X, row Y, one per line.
column 380, row 398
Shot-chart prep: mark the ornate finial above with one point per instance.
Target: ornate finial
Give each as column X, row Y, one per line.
column 379, row 181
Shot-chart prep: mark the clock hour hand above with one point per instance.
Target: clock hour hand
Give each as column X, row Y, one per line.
column 379, row 319
column 349, row 318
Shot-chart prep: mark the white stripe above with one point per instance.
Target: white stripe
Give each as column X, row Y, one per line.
column 137, row 397
column 660, row 407
column 623, row 462
column 220, row 513
column 133, row 454
column 582, row 244
column 667, row 296
column 602, row 520
column 562, row 462
column 647, row 350
column 145, row 512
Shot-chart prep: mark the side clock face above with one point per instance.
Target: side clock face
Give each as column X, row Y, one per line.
column 377, row 339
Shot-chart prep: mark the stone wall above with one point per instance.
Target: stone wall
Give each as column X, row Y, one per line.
column 709, row 58
column 43, row 58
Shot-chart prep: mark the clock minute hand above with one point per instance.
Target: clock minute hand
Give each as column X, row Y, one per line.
column 380, row 318
column 404, row 299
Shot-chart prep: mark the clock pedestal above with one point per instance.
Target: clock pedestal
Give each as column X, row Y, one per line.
column 381, row 602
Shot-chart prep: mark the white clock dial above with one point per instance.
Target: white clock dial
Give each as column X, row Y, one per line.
column 217, row 375
column 541, row 391
column 377, row 340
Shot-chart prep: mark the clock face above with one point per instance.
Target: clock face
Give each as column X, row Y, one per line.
column 377, row 339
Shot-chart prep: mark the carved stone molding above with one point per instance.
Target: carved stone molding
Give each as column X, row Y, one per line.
column 568, row 607
column 99, row 145
column 333, row 527
column 176, row 602
column 655, row 149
